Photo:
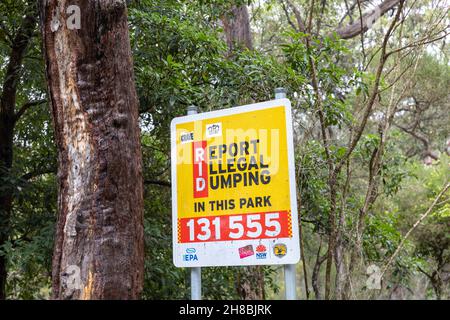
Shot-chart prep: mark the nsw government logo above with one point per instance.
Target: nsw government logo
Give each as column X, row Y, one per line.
column 261, row 252
column 190, row 255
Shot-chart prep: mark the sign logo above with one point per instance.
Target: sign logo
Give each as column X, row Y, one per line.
column 280, row 250
column 214, row 130
column 261, row 252
column 187, row 137
column 190, row 255
column 246, row 251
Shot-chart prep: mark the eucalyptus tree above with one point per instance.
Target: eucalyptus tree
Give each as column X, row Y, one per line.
column 99, row 245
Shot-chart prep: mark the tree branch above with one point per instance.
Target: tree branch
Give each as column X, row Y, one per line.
column 366, row 21
column 32, row 174
column 391, row 259
column 298, row 17
column 286, row 12
column 374, row 94
column 420, row 42
column 26, row 106
column 424, row 140
column 425, row 273
column 158, row 183
column 12, row 75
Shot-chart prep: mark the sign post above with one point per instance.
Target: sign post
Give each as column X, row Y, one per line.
column 289, row 269
column 196, row 272
column 233, row 190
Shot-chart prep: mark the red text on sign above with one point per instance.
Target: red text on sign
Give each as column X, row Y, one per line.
column 200, row 168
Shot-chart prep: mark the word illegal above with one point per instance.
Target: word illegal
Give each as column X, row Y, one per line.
column 243, row 165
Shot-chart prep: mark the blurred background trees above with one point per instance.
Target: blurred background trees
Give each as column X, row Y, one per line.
column 371, row 122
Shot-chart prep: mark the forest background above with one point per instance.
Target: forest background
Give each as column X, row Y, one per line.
column 369, row 85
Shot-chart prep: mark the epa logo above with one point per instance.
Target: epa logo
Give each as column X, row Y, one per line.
column 190, row 255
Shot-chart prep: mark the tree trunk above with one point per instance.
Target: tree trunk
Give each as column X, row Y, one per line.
column 316, row 271
column 6, row 155
column 250, row 283
column 7, row 123
column 340, row 269
column 332, row 236
column 437, row 284
column 236, row 25
column 99, row 245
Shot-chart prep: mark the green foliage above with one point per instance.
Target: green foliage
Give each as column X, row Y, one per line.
column 312, row 183
column 180, row 59
column 30, row 263
column 382, row 237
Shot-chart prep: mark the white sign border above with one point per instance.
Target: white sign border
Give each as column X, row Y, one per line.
column 290, row 258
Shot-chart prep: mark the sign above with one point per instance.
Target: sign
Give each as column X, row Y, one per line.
column 233, row 187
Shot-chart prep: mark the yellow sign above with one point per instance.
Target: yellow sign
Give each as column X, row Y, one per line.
column 234, row 187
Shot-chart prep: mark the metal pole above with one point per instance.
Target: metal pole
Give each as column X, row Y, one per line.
column 196, row 283
column 289, row 269
column 191, row 110
column 196, row 272
column 289, row 282
column 280, row 93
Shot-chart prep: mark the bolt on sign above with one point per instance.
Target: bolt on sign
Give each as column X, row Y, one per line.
column 233, row 187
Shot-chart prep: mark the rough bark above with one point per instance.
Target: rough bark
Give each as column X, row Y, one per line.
column 98, row 251
column 250, row 283
column 7, row 122
column 236, row 25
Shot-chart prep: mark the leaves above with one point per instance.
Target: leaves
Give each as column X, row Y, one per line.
column 181, row 58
